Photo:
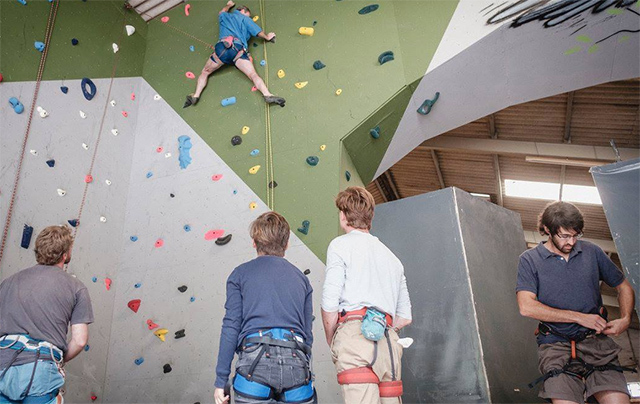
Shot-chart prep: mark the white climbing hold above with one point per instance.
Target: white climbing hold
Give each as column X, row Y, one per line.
column 114, row 131
column 62, row 192
column 83, row 115
column 112, row 103
column 157, row 97
column 115, row 48
column 108, row 182
column 103, row 219
column 42, row 112
column 85, row 146
column 405, row 342
column 167, row 155
column 34, row 152
column 130, row 29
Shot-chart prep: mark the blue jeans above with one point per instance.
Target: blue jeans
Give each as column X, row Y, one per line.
column 46, row 380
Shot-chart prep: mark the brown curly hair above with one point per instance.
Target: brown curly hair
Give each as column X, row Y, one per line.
column 357, row 204
column 52, row 243
column 560, row 214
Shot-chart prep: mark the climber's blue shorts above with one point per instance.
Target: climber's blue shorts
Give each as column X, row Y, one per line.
column 227, row 55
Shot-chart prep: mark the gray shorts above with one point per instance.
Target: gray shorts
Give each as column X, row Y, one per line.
column 598, row 350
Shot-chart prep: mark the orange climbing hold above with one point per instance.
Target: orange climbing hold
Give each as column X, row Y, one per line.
column 88, row 178
column 213, row 234
column 217, row 177
column 190, row 75
column 107, row 283
column 151, row 324
column 165, row 19
column 134, row 305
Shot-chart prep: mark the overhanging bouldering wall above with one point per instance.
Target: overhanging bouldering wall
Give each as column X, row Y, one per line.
column 471, row 344
column 619, row 186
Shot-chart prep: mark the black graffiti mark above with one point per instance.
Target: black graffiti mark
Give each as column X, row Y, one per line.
column 576, row 23
column 631, row 31
column 486, row 7
column 578, row 29
column 498, row 6
column 552, row 13
column 633, row 11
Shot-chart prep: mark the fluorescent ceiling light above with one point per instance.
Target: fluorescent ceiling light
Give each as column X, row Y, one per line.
column 481, row 195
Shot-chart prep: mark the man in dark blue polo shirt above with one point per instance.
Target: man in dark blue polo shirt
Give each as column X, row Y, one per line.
column 558, row 284
column 269, row 312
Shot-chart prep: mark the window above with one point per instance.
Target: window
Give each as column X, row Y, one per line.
column 551, row 191
column 581, row 194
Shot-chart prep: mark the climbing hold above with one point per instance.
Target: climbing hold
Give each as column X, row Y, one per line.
column 137, row 285
column 157, row 97
column 216, row 177
column 86, row 348
column 159, row 243
column 254, row 88
column 426, row 106
column 51, row 163
column 166, row 368
column 318, row 65
column 82, row 115
column 272, row 184
column 254, row 152
column 183, row 288
column 151, row 324
column 192, row 48
column 133, row 238
column 64, row 89
column 172, row 195
column 39, row 46
column 323, row 147
column 130, row 29
column 256, row 18
column 368, row 9
column 184, row 146
column 305, row 227
column 160, row 333
column 187, row 228
column 74, row 41
column 307, row 271
column 228, row 101
column 190, row 75
column 62, row 192
column 339, row 91
column 213, row 234
column 125, row 114
column 405, row 342
column 186, row 9
column 1, row 77
column 281, row 73
column 42, row 112
column 313, row 160
column 263, row 62
column 245, row 130
column 103, row 219
column 16, row 104
column 133, row 96
column 27, row 232
column 94, row 279
column 347, row 175
column 149, row 174
column 159, row 149
column 254, row 169
column 34, row 152
column 115, row 47
column 23, row 2
column 192, row 299
column 139, row 361
column 85, row 146
column 108, row 182
column 134, row 305
column 236, row 140
column 253, row 205
column 94, row 398
column 375, row 132
column 235, row 191
column 167, row 155
column 385, row 57
column 301, row 84
column 107, row 283
column 308, row 31
column 180, row 334
column 112, row 103
column 224, row 240
column 164, row 19
column 88, row 178
column 92, row 88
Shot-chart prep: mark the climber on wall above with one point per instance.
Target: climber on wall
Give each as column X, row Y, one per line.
column 36, row 307
column 236, row 28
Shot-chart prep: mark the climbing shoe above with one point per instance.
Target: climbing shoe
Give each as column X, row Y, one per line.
column 274, row 99
column 191, row 100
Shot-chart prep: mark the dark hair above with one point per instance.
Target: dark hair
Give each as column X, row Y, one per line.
column 243, row 8
column 270, row 232
column 560, row 214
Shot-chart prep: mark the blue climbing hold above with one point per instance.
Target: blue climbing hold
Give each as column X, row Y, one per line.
column 187, row 228
column 315, row 23
column 73, row 222
column 193, row 299
column 375, row 132
column 149, row 174
column 39, row 45
column 305, row 227
column 17, row 105
column 86, row 348
column 368, row 9
column 192, row 48
column 137, row 285
column 318, row 65
column 27, row 232
column 133, row 238
column 94, row 279
column 23, row 2
column 347, row 175
column 426, row 106
column 139, row 361
column 184, row 146
column 51, row 163
column 263, row 62
column 64, row 89
column 254, row 152
column 313, row 160
column 385, row 57
column 92, row 88
column 74, row 41
column 235, row 192
column 228, row 101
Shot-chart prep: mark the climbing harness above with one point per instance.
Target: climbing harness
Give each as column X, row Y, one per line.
column 23, row 343
column 366, row 374
column 230, row 42
column 244, row 384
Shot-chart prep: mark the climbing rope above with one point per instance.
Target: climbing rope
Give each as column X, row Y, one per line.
column 268, row 145
column 53, row 11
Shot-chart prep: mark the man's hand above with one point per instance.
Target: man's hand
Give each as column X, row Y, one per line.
column 592, row 322
column 616, row 327
column 270, row 36
column 230, row 4
column 218, row 394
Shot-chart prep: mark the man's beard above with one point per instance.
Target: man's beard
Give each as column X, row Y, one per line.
column 553, row 240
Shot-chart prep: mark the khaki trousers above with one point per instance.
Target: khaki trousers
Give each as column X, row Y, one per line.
column 350, row 349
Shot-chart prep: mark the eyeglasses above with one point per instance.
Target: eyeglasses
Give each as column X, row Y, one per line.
column 568, row 236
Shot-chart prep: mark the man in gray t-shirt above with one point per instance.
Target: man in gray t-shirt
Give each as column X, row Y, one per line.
column 37, row 305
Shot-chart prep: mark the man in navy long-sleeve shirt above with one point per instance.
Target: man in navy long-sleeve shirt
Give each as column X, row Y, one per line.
column 268, row 318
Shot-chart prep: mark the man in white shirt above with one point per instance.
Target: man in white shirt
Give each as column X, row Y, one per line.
column 364, row 283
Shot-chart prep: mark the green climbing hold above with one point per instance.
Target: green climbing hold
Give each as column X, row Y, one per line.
column 305, row 227
column 368, row 9
column 375, row 132
column 426, row 106
column 318, row 65
column 347, row 175
column 385, row 57
column 313, row 160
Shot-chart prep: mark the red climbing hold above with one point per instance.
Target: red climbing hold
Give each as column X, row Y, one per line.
column 164, row 19
column 190, row 75
column 124, row 113
column 254, row 88
column 1, row 77
column 159, row 149
column 151, row 324
column 94, row 398
column 216, row 177
column 88, row 179
column 133, row 96
column 186, row 9
column 159, row 243
column 107, row 283
column 213, row 234
column 134, row 305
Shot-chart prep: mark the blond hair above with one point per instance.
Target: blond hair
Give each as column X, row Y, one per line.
column 270, row 233
column 357, row 204
column 52, row 243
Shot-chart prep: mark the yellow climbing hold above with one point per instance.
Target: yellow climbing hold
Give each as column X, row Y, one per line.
column 256, row 18
column 301, row 84
column 323, row 147
column 160, row 333
column 253, row 205
column 254, row 169
column 339, row 91
column 281, row 73
column 308, row 31
column 245, row 130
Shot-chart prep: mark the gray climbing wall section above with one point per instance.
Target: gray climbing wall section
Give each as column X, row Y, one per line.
column 150, row 199
column 471, row 344
column 619, row 188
